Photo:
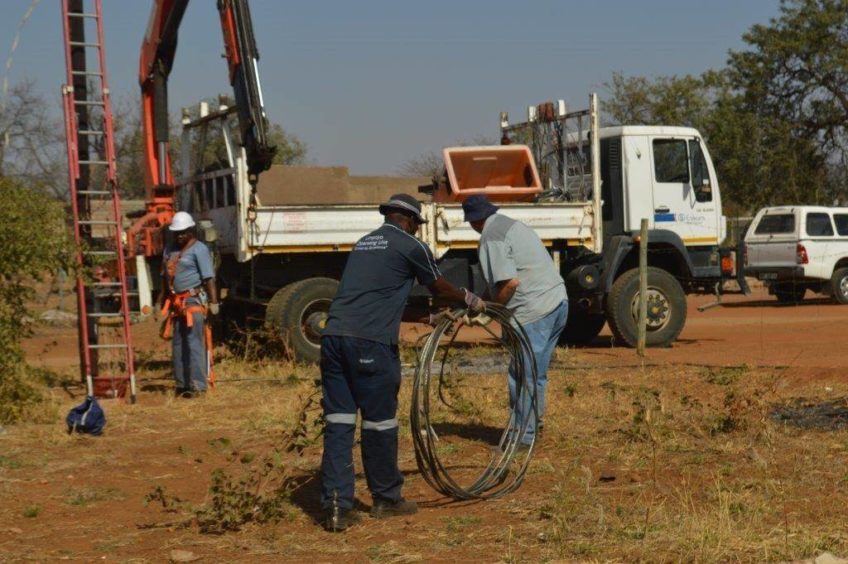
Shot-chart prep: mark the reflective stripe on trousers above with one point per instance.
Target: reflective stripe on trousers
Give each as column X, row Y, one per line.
column 350, row 419
column 358, row 375
column 379, row 425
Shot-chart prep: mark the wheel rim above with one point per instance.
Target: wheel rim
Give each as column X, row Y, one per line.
column 659, row 309
column 313, row 319
column 843, row 286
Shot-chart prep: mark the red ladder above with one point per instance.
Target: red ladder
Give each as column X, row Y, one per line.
column 106, row 355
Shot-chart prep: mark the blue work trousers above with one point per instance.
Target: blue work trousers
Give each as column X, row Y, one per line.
column 363, row 375
column 191, row 360
column 543, row 334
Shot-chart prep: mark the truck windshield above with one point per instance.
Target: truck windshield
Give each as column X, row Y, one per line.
column 776, row 223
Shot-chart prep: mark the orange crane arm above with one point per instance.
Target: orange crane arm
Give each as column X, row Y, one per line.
column 156, row 61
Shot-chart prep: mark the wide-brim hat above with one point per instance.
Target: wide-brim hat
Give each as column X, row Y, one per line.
column 403, row 203
column 478, row 208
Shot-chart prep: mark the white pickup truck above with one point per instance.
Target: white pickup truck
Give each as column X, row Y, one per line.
column 793, row 249
column 282, row 248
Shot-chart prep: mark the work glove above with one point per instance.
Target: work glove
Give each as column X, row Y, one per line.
column 214, row 309
column 479, row 320
column 436, row 318
column 474, row 302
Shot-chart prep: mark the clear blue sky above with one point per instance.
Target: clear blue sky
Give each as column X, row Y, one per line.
column 371, row 83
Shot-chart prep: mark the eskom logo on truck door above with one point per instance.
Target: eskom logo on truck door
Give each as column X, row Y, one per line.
column 691, row 219
column 660, row 217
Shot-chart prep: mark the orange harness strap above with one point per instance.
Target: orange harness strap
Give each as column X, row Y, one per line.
column 175, row 306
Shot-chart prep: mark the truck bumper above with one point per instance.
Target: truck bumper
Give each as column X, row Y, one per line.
column 776, row 273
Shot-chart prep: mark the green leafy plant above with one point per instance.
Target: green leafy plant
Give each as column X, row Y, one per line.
column 34, row 242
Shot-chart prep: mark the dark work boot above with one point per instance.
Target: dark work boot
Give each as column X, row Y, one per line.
column 339, row 519
column 383, row 508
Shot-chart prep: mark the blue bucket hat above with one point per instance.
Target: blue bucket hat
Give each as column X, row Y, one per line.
column 478, row 208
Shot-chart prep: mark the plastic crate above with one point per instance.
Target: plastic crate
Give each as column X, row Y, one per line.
column 501, row 172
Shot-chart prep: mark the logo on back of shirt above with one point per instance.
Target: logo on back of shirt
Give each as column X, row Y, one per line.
column 372, row 243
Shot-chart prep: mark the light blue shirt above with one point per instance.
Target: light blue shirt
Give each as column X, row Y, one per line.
column 509, row 249
column 194, row 267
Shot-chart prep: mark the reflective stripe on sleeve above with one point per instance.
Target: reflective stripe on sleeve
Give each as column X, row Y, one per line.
column 341, row 418
column 379, row 425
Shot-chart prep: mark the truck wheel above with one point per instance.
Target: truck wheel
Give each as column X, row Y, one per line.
column 839, row 285
column 299, row 312
column 666, row 308
column 582, row 327
column 790, row 294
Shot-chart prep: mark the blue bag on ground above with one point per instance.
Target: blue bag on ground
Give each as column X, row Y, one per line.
column 87, row 417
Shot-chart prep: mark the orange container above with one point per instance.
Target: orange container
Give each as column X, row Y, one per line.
column 501, row 172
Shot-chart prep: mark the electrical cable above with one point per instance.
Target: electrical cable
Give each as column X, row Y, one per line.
column 508, row 464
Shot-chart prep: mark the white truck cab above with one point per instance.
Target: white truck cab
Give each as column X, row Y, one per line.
column 793, row 249
column 669, row 179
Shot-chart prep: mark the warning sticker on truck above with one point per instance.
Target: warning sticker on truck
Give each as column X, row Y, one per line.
column 294, row 222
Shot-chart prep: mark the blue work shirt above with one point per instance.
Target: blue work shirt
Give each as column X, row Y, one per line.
column 376, row 283
column 194, row 266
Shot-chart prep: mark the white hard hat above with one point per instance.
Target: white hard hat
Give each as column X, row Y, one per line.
column 181, row 221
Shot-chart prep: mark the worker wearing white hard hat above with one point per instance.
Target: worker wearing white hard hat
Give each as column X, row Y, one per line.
column 189, row 296
column 182, row 221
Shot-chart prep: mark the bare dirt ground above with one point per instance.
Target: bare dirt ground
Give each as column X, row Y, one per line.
column 677, row 458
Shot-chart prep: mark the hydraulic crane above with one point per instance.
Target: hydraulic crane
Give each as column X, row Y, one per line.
column 157, row 58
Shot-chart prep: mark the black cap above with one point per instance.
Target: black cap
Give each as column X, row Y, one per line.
column 478, row 208
column 403, row 203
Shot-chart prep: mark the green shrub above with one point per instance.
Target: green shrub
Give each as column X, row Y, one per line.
column 34, row 242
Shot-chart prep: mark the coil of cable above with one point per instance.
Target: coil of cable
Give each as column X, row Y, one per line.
column 508, row 462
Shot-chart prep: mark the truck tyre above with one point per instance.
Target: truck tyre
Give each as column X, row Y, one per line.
column 790, row 294
column 582, row 327
column 298, row 311
column 839, row 285
column 666, row 308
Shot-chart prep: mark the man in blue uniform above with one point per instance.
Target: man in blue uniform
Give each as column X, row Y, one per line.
column 189, row 294
column 360, row 366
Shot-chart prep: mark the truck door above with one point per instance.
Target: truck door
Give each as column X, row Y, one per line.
column 683, row 194
column 704, row 218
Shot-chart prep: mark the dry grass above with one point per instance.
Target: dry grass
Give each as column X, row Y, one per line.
column 671, row 464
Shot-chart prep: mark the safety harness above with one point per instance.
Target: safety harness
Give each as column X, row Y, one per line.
column 175, row 306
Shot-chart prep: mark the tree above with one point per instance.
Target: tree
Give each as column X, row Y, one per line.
column 32, row 143
column 290, row 149
column 664, row 100
column 129, row 149
column 797, row 69
column 427, row 164
column 34, row 242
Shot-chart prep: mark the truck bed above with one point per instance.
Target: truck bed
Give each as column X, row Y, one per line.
column 335, row 228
